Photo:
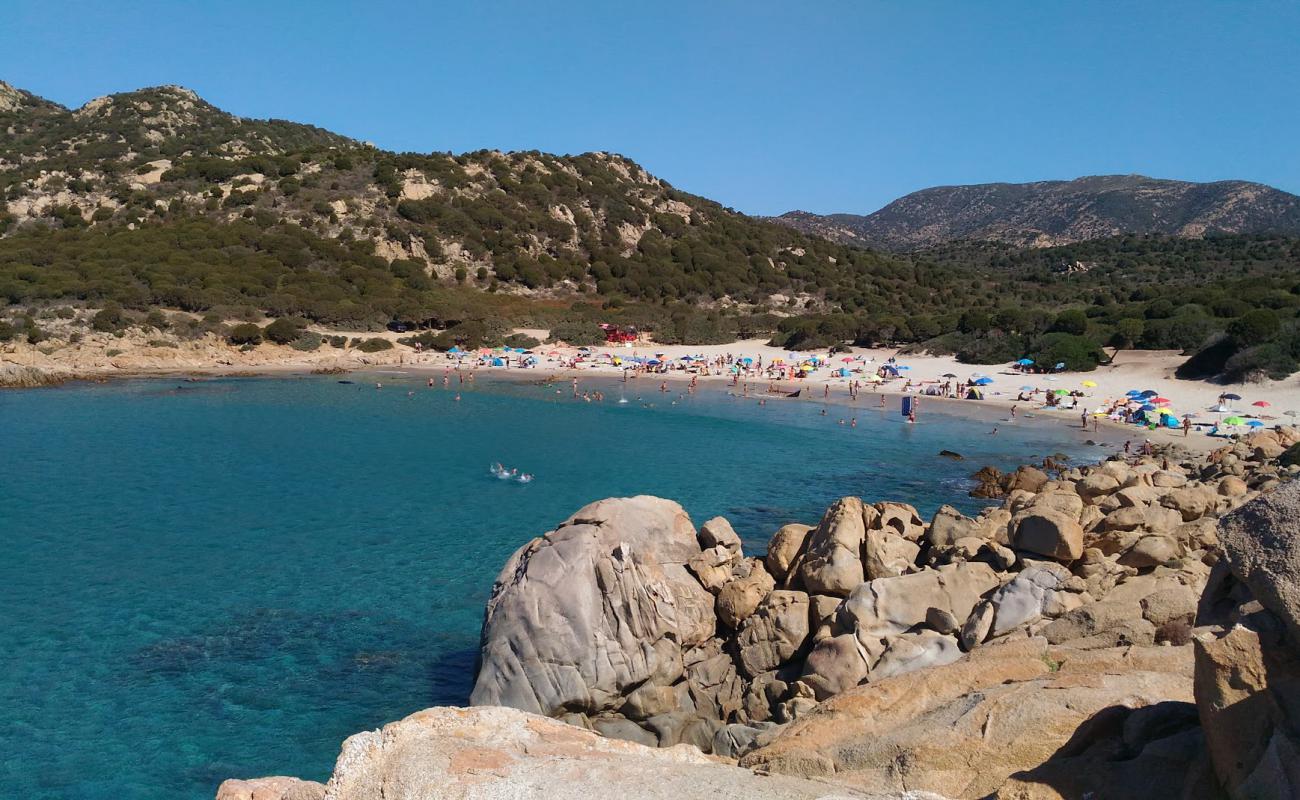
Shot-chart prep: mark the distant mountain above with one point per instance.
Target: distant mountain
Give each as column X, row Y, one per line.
column 1050, row 213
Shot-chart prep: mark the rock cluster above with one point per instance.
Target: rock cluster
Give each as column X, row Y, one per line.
column 628, row 621
column 1045, row 649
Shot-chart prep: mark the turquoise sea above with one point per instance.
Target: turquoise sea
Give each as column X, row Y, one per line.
column 227, row 578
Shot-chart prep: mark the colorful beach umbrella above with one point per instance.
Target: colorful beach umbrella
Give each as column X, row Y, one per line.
column 1090, row 384
column 1254, row 423
column 1024, row 362
column 1230, row 396
column 1261, row 403
column 1233, row 421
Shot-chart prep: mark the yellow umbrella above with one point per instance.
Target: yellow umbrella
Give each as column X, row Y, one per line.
column 1090, row 384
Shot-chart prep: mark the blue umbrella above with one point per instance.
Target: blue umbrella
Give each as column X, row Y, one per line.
column 983, row 381
column 1026, row 388
column 1149, row 393
column 1024, row 362
column 1254, row 423
column 903, row 367
column 1148, row 407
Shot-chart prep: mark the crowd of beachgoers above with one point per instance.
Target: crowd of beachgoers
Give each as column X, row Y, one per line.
column 1132, row 394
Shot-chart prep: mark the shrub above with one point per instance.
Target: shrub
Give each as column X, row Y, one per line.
column 284, row 330
column 35, row 335
column 1265, row 360
column 245, row 333
column 578, row 334
column 520, row 340
column 1254, row 327
column 7, row 331
column 339, row 342
column 157, row 320
column 1078, row 353
column 109, row 318
column 307, row 342
column 375, row 345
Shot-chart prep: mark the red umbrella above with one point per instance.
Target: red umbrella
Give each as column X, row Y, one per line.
column 1160, row 401
column 847, row 360
column 1261, row 403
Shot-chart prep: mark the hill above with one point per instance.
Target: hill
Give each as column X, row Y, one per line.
column 1050, row 213
column 155, row 202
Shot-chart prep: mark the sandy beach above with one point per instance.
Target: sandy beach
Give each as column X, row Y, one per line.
column 105, row 356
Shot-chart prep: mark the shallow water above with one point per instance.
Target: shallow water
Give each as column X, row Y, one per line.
column 227, row 578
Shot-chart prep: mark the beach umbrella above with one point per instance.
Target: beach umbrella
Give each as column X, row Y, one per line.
column 1148, row 407
column 983, row 381
column 1233, row 421
column 1148, row 393
column 1254, row 423
column 847, row 360
column 1090, row 384
column 947, row 375
column 1230, row 396
column 1261, row 403
column 1026, row 388
column 1059, row 392
column 747, row 360
column 1160, row 401
column 1292, row 413
column 1024, row 362
column 902, row 367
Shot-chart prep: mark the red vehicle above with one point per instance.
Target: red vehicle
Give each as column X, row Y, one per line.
column 615, row 334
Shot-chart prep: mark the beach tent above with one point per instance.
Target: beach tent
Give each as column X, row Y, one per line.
column 455, row 349
column 1059, row 365
column 974, row 394
column 496, row 362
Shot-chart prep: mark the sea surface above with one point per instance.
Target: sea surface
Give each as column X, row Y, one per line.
column 227, row 578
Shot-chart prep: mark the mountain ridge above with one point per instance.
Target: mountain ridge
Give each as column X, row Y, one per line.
column 1057, row 212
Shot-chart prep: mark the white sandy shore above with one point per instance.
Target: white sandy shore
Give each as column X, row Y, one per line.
column 1131, row 370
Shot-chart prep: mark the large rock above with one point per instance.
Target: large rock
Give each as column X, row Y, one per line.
column 739, row 598
column 1035, row 592
column 887, row 607
column 962, row 729
column 786, row 545
column 833, row 562
column 593, row 608
column 1248, row 668
column 505, row 754
column 835, row 665
column 1049, row 532
column 887, row 554
column 1261, row 541
column 273, row 788
column 774, row 633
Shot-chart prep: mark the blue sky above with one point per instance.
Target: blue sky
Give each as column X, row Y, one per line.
column 764, row 106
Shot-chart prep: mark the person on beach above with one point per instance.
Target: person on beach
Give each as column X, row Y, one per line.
column 882, row 399
column 1084, row 418
column 994, row 431
column 1187, row 425
column 1013, row 412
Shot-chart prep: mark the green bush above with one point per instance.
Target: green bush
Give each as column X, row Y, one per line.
column 577, row 333
column 1079, row 353
column 284, row 330
column 1269, row 359
column 374, row 345
column 520, row 340
column 338, row 342
column 307, row 342
column 109, row 318
column 245, row 333
column 7, row 331
column 1254, row 327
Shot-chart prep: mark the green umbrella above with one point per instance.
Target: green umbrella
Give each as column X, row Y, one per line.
column 1233, row 421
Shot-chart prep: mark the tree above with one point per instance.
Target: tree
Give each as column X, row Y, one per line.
column 1127, row 332
column 1072, row 321
column 1254, row 327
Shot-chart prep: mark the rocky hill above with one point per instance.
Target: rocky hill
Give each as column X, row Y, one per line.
column 162, row 173
column 1050, row 213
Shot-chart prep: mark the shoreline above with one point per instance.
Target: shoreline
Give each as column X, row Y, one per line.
column 24, row 366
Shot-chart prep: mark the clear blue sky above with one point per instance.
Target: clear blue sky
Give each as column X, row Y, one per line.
column 764, row 106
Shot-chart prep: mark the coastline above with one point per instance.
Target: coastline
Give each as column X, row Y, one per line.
column 26, row 366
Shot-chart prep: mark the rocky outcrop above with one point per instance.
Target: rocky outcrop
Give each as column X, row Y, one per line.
column 489, row 753
column 963, row 729
column 1248, row 658
column 627, row 620
column 594, row 609
column 972, row 658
